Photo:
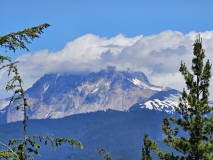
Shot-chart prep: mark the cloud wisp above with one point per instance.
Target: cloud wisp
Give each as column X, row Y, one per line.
column 158, row 56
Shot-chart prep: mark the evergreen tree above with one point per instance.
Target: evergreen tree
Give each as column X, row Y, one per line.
column 146, row 150
column 194, row 113
column 24, row 148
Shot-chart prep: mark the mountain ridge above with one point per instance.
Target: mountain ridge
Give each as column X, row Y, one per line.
column 58, row 95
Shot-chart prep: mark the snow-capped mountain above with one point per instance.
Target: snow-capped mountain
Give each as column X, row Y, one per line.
column 60, row 95
column 163, row 101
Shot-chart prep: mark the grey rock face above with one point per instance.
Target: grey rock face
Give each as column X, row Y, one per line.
column 60, row 95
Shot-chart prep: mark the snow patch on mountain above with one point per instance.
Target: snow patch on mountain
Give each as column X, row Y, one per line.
column 95, row 90
column 57, row 77
column 167, row 104
column 45, row 87
column 141, row 84
column 157, row 104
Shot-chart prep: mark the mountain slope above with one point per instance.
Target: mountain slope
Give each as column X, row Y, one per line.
column 60, row 95
column 115, row 131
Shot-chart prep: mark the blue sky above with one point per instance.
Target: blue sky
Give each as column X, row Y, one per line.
column 74, row 18
column 148, row 36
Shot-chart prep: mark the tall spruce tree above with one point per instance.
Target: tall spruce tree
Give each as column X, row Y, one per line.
column 194, row 113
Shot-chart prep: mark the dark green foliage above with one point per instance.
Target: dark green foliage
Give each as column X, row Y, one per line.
column 16, row 40
column 24, row 148
column 102, row 152
column 34, row 146
column 146, row 150
column 118, row 132
column 194, row 110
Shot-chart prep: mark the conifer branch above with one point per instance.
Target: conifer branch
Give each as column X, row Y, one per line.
column 19, row 39
column 102, row 152
column 9, row 150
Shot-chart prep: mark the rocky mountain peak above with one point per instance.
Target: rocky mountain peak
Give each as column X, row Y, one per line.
column 58, row 95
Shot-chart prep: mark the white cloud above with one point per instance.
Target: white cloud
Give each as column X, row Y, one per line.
column 158, row 56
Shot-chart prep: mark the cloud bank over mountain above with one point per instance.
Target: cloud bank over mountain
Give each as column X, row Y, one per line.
column 158, row 56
